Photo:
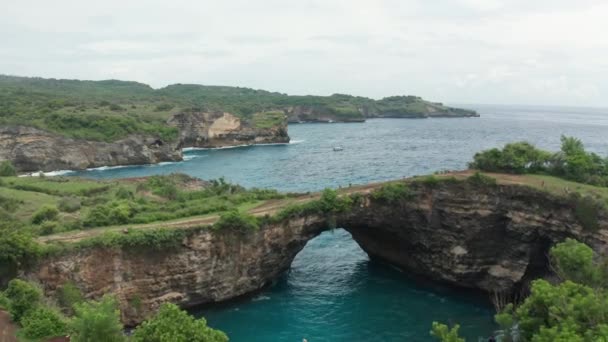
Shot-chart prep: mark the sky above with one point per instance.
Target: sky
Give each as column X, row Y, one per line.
column 546, row 52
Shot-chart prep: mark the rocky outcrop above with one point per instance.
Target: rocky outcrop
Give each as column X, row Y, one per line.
column 31, row 149
column 487, row 238
column 217, row 129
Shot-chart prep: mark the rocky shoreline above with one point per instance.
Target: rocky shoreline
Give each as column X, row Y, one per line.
column 34, row 150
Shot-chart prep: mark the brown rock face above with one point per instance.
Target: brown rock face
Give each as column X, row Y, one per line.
column 483, row 238
column 219, row 129
column 31, row 149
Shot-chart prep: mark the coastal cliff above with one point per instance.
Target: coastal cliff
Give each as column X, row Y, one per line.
column 217, row 129
column 32, row 149
column 490, row 238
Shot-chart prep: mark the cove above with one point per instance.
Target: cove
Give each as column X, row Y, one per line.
column 333, row 292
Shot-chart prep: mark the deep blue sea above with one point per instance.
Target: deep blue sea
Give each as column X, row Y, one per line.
column 333, row 292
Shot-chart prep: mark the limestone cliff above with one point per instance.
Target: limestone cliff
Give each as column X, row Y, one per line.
column 487, row 238
column 31, row 149
column 217, row 129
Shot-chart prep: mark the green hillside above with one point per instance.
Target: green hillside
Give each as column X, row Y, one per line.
column 112, row 109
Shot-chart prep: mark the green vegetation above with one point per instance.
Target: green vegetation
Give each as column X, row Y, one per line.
column 392, row 192
column 95, row 320
column 170, row 324
column 111, row 110
column 237, row 220
column 480, row 179
column 572, row 162
column 573, row 309
column 23, row 298
column 7, row 169
column 43, row 322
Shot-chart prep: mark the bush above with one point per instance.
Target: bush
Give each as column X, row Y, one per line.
column 124, row 193
column 23, row 297
column 236, row 220
column 97, row 321
column 7, row 169
column 330, row 202
column 69, row 204
column 392, row 193
column 587, row 211
column 48, row 227
column 45, row 213
column 171, row 324
column 42, row 322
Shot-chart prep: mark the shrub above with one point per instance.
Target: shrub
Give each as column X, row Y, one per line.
column 171, row 323
column 586, row 210
column 330, row 202
column 392, row 192
column 7, row 169
column 237, row 220
column 69, row 204
column 23, row 297
column 48, row 227
column 97, row 321
column 42, row 322
column 45, row 213
column 124, row 193
column 430, row 181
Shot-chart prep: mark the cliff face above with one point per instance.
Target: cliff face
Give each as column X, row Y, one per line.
column 208, row 267
column 483, row 238
column 31, row 149
column 218, row 129
column 490, row 238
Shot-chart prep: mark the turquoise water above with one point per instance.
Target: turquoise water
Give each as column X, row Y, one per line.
column 333, row 292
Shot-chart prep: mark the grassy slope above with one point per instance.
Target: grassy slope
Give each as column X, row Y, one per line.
column 109, row 110
column 157, row 199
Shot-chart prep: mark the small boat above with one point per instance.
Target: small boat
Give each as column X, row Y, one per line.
column 338, row 148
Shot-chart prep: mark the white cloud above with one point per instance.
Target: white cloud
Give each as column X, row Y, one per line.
column 497, row 51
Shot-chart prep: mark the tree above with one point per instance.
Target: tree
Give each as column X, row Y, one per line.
column 97, row 322
column 7, row 169
column 171, row 324
column 23, row 297
column 573, row 310
column 444, row 334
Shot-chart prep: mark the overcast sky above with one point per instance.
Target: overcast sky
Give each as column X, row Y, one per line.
column 551, row 52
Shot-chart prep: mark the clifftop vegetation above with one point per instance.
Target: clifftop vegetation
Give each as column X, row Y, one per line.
column 112, row 109
column 572, row 162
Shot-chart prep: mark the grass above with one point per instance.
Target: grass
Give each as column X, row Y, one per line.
column 114, row 205
column 268, row 119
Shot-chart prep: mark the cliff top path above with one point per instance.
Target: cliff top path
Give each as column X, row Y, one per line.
column 270, row 207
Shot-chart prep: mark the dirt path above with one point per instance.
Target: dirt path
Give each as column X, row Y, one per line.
column 269, row 207
column 8, row 329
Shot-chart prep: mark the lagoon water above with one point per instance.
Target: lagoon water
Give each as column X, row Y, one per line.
column 333, row 292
